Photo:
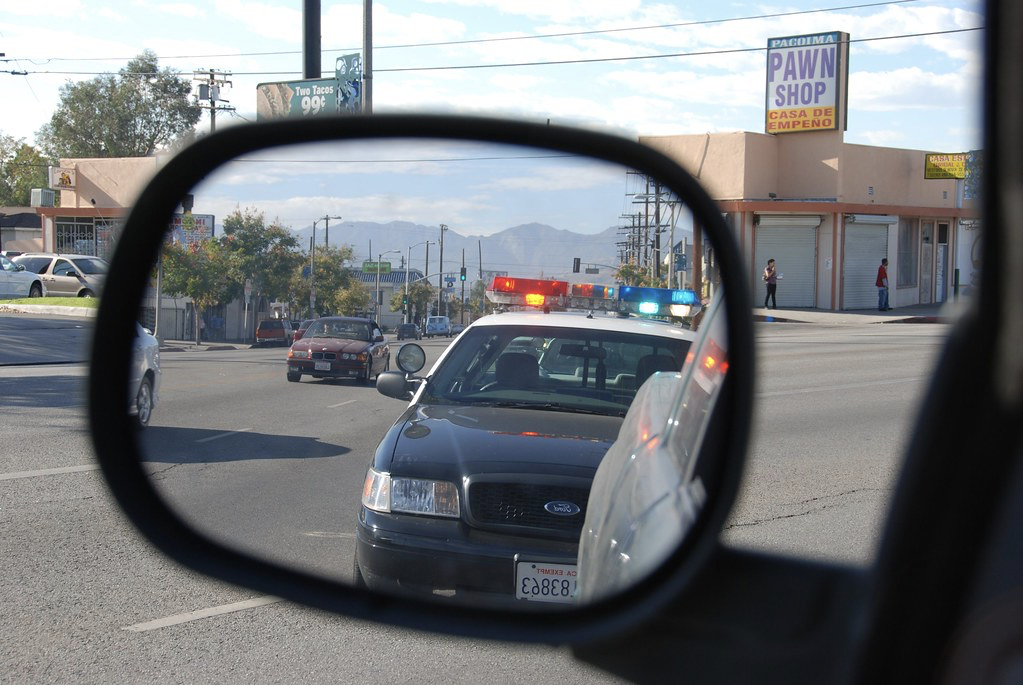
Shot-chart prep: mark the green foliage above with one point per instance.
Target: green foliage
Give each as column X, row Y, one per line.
column 22, row 168
column 630, row 273
column 268, row 253
column 134, row 113
column 354, row 300
column 206, row 271
column 420, row 296
column 336, row 290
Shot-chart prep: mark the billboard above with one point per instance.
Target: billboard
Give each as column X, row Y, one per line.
column 186, row 229
column 341, row 94
column 807, row 83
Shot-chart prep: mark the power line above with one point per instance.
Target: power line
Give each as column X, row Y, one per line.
column 594, row 60
column 538, row 36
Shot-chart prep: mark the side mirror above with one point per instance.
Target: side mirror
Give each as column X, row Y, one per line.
column 458, row 165
column 395, row 384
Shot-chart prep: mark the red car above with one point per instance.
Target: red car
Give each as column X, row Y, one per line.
column 274, row 332
column 340, row 347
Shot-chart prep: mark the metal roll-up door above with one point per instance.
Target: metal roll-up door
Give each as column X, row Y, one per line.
column 792, row 243
column 865, row 244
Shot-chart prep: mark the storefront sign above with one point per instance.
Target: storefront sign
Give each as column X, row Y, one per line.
column 62, row 179
column 807, row 79
column 945, row 166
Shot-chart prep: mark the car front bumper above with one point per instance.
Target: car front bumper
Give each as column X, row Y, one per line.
column 423, row 555
column 335, row 370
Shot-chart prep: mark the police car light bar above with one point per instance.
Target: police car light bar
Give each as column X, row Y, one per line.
column 658, row 301
column 531, row 292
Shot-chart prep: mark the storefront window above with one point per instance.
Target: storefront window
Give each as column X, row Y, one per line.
column 908, row 262
column 85, row 235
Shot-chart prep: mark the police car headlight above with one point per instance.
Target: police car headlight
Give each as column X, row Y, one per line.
column 382, row 493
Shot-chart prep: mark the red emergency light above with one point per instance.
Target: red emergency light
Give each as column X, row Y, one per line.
column 529, row 286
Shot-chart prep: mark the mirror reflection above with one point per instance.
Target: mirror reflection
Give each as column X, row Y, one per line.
column 400, row 364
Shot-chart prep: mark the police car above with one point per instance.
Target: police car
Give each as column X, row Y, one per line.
column 479, row 489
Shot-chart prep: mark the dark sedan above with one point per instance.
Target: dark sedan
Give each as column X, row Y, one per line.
column 479, row 489
column 339, row 347
column 409, row 331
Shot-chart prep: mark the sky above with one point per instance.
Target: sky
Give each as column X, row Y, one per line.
column 630, row 67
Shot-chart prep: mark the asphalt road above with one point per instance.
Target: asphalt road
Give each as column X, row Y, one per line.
column 277, row 468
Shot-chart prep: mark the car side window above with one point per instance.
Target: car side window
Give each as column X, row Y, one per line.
column 62, row 267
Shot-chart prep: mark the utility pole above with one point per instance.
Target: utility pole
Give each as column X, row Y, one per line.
column 461, row 316
column 210, row 83
column 367, row 56
column 326, row 228
column 440, row 276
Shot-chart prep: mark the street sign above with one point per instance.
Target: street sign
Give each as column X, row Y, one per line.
column 376, row 267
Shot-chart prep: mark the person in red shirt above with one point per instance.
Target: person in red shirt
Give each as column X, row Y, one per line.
column 882, row 286
column 771, row 279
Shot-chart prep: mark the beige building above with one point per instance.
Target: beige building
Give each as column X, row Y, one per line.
column 825, row 210
column 828, row 212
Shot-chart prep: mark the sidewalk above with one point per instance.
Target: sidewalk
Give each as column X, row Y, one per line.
column 943, row 312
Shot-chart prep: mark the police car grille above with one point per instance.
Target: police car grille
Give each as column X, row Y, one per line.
column 520, row 504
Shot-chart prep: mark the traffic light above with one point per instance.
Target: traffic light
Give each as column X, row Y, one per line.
column 575, row 264
column 404, row 300
column 461, row 276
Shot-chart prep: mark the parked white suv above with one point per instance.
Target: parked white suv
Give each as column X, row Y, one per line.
column 66, row 275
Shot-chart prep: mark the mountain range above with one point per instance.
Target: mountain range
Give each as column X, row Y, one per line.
column 529, row 250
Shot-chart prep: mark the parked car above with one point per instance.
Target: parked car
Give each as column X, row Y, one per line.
column 438, row 325
column 457, row 328
column 17, row 281
column 274, row 332
column 409, row 331
column 145, row 375
column 302, row 328
column 66, row 275
column 340, row 347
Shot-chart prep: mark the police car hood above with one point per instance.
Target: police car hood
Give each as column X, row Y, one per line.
column 452, row 441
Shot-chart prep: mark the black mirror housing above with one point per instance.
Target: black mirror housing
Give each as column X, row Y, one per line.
column 117, row 444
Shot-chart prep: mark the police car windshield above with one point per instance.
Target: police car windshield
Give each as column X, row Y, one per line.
column 552, row 368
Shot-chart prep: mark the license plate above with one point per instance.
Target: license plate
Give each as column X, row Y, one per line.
column 539, row 581
column 322, row 366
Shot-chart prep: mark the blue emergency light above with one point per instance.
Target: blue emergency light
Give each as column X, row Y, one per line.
column 650, row 300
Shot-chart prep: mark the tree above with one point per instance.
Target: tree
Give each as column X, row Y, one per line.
column 353, row 300
column 206, row 271
column 22, row 168
column 268, row 254
column 420, row 295
column 630, row 273
column 131, row 114
column 333, row 282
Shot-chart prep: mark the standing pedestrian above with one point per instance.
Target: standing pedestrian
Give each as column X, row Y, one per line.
column 882, row 286
column 771, row 279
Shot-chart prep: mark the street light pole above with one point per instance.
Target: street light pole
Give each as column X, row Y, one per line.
column 376, row 297
column 408, row 262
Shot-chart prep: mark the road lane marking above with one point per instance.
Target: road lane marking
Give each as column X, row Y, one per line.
column 228, row 434
column 200, row 614
column 329, row 534
column 49, row 472
column 340, row 404
column 847, row 386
